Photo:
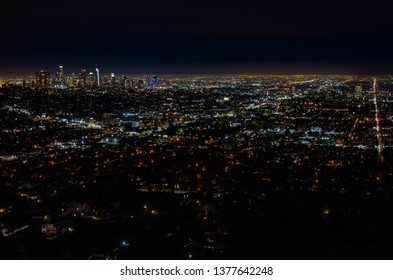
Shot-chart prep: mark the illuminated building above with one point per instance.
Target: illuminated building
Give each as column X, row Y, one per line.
column 60, row 79
column 98, row 76
column 60, row 75
column 155, row 80
column 148, row 81
column 125, row 82
column 113, row 78
column 42, row 79
column 82, row 78
column 74, row 80
column 69, row 81
column 91, row 79
column 140, row 84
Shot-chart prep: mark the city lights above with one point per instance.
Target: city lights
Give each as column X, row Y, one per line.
column 203, row 159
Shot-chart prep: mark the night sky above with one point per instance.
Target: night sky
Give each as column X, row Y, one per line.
column 197, row 37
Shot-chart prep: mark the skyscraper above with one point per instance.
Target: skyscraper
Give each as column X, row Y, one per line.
column 42, row 79
column 98, row 76
column 148, row 81
column 155, row 81
column 125, row 82
column 82, row 78
column 70, row 81
column 60, row 81
column 73, row 82
column 91, row 79
column 113, row 79
column 140, row 84
column 60, row 76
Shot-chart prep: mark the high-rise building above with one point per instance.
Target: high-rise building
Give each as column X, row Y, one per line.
column 70, row 82
column 60, row 76
column 82, row 78
column 148, row 81
column 155, row 81
column 60, row 81
column 113, row 79
column 140, row 84
column 98, row 76
column 42, row 79
column 91, row 79
column 74, row 80
column 125, row 82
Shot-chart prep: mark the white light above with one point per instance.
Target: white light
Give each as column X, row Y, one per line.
column 98, row 76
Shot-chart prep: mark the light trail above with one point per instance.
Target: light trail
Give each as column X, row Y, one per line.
column 350, row 136
column 379, row 138
column 7, row 232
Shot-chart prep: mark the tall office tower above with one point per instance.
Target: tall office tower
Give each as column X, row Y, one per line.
column 155, row 81
column 69, row 81
column 125, row 82
column 60, row 76
column 42, row 79
column 140, row 84
column 98, row 76
column 82, row 78
column 91, row 79
column 148, row 81
column 113, row 79
column 74, row 80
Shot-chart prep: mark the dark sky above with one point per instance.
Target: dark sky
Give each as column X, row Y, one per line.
column 197, row 36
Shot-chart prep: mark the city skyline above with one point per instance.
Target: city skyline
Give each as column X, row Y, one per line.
column 140, row 72
column 209, row 130
column 196, row 167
